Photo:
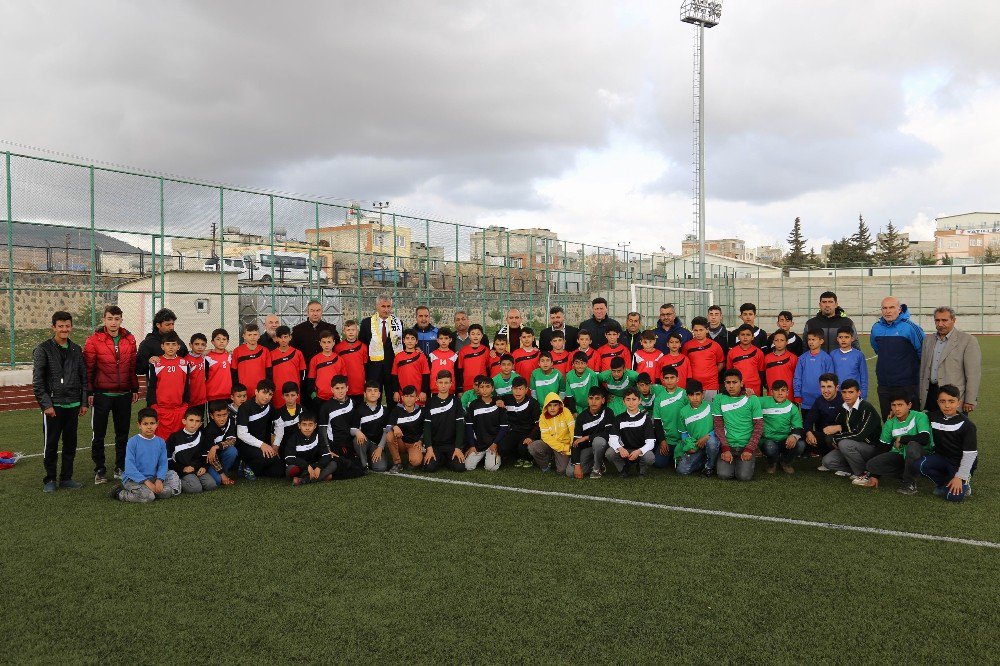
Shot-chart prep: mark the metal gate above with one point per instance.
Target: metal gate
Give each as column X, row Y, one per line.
column 289, row 303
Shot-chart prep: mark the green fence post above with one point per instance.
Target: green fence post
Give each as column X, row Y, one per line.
column 458, row 275
column 274, row 260
column 395, row 258
column 482, row 288
column 357, row 259
column 10, row 261
column 982, row 298
column 548, row 281
column 507, row 271
column 93, row 256
column 163, row 265
column 222, row 254
column 319, row 264
column 427, row 259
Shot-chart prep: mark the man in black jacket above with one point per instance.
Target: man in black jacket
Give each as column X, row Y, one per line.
column 829, row 319
column 305, row 335
column 152, row 345
column 59, row 380
column 557, row 322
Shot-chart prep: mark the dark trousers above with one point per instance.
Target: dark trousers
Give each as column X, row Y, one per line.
column 119, row 409
column 303, row 472
column 62, row 425
column 443, row 460
column 930, row 401
column 938, row 469
column 892, row 462
column 253, row 457
column 381, row 372
column 883, row 398
column 512, row 448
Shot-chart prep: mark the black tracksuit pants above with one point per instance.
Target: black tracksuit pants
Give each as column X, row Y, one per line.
column 62, row 425
column 119, row 409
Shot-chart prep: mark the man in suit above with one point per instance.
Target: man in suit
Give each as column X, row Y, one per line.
column 950, row 356
column 383, row 333
column 557, row 321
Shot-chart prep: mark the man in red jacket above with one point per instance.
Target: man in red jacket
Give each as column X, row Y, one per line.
column 110, row 358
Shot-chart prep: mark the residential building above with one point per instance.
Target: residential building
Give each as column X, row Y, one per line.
column 733, row 248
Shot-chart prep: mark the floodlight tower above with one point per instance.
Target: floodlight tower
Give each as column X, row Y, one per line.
column 703, row 14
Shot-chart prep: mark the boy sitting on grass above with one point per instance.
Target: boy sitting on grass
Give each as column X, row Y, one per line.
column 906, row 439
column 147, row 476
column 186, row 454
column 220, row 438
column 782, row 428
column 555, row 426
column 306, row 458
column 590, row 436
column 632, row 438
column 956, row 454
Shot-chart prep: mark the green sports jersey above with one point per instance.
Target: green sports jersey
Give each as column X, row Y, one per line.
column 578, row 387
column 780, row 419
column 503, row 386
column 542, row 383
column 667, row 409
column 693, row 424
column 468, row 397
column 914, row 424
column 737, row 415
column 617, row 387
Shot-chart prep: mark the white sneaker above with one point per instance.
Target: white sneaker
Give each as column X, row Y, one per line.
column 822, row 468
column 842, row 473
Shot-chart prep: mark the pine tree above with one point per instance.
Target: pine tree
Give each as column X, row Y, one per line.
column 892, row 247
column 841, row 253
column 861, row 244
column 990, row 256
column 796, row 256
column 812, row 259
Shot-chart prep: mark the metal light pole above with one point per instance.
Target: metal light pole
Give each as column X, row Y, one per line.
column 702, row 14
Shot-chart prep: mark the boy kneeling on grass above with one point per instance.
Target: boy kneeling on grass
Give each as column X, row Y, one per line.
column 906, row 438
column 220, row 438
column 485, row 428
column 782, row 428
column 147, row 476
column 739, row 424
column 555, row 427
column 187, row 451
column 590, row 437
column 306, row 458
column 699, row 447
column 444, row 428
column 955, row 455
column 405, row 431
column 632, row 437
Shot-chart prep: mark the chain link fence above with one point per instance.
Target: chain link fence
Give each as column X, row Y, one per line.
column 79, row 236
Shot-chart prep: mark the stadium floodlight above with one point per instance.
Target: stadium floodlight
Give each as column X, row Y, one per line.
column 702, row 14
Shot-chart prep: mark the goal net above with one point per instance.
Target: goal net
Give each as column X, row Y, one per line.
column 646, row 299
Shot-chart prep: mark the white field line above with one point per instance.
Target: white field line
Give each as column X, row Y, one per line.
column 868, row 358
column 85, row 448
column 708, row 512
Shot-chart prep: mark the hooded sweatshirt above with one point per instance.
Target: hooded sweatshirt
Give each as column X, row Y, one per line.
column 898, row 344
column 829, row 326
column 556, row 431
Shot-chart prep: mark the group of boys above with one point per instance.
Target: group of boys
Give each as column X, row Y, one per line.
column 697, row 407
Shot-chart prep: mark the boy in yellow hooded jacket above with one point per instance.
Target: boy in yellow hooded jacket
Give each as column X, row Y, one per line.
column 556, row 427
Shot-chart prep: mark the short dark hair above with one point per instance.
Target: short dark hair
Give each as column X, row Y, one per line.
column 850, row 383
column 409, row 390
column 899, row 394
column 643, row 378
column 217, row 406
column 506, row 357
column 694, row 386
column 713, row 307
column 648, row 335
column 410, row 333
column 779, row 384
column 170, row 336
column 528, row 330
column 845, row 329
column 220, row 331
column 284, row 330
column 669, row 370
column 445, row 331
column 580, row 356
column 598, row 391
column 732, row 372
column 950, row 389
column 667, row 305
column 555, row 309
column 673, row 335
column 829, row 377
column 198, row 336
column 699, row 321
column 324, row 334
column 612, row 327
column 442, row 374
column 146, row 413
column 164, row 315
column 617, row 362
column 584, row 331
column 61, row 315
column 251, row 327
column 498, row 336
column 600, row 300
column 631, row 390
column 748, row 307
column 786, row 314
column 371, row 383
column 816, row 333
column 194, row 411
column 265, row 385
column 828, row 294
column 744, row 327
column 238, row 388
column 557, row 334
column 547, row 355
column 307, row 417
column 338, row 379
column 289, row 387
column 113, row 310
column 475, row 327
column 519, row 382
column 350, row 322
column 782, row 332
column 481, row 379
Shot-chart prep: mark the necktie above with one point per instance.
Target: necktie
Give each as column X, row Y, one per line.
column 385, row 336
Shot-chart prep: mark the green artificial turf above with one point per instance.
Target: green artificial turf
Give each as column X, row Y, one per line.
column 385, row 569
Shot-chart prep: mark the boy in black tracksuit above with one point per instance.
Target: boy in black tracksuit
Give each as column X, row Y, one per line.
column 335, row 430
column 219, row 440
column 255, row 430
column 590, row 437
column 307, row 458
column 632, row 437
column 368, row 428
column 444, row 428
column 956, row 453
column 485, row 428
column 406, row 431
column 187, row 454
column 522, row 423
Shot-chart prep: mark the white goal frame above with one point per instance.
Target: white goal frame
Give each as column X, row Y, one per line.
column 635, row 298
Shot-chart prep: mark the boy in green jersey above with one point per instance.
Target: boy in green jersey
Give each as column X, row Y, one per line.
column 579, row 381
column 699, row 447
column 503, row 381
column 546, row 379
column 618, row 380
column 782, row 428
column 907, row 436
column 739, row 425
column 666, row 412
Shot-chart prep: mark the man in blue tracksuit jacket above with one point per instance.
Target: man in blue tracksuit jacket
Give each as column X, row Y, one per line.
column 898, row 342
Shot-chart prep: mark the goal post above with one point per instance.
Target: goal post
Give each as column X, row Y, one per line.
column 646, row 299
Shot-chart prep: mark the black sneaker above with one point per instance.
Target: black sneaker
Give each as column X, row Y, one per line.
column 115, row 493
column 907, row 488
column 708, row 472
column 623, row 472
column 100, row 477
column 118, row 472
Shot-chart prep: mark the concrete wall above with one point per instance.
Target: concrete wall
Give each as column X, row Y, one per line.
column 183, row 289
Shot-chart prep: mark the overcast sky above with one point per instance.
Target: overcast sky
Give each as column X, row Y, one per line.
column 574, row 116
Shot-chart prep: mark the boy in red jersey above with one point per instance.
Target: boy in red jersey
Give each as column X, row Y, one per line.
column 354, row 354
column 410, row 368
column 747, row 358
column 613, row 350
column 675, row 359
column 500, row 349
column 526, row 358
column 584, row 341
column 219, row 385
column 780, row 363
column 562, row 360
column 287, row 365
column 473, row 359
column 169, row 387
column 443, row 358
column 647, row 358
column 323, row 367
column 251, row 361
column 199, row 378
column 705, row 356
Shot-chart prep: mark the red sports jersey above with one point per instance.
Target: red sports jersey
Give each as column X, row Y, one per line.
column 443, row 360
column 750, row 363
column 409, row 369
column 169, row 383
column 780, row 367
column 526, row 361
column 648, row 362
column 494, row 365
column 679, row 363
column 322, row 370
column 474, row 362
column 220, row 377
column 704, row 357
column 251, row 365
column 562, row 361
column 355, row 357
column 286, row 366
column 198, row 394
column 606, row 353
